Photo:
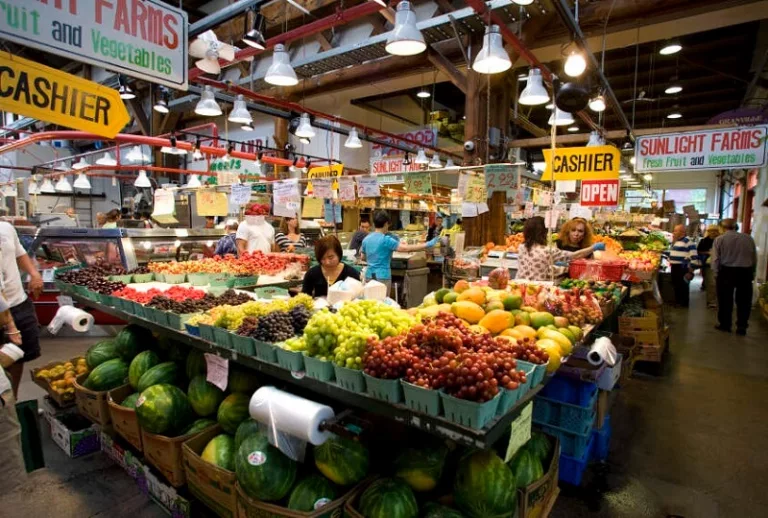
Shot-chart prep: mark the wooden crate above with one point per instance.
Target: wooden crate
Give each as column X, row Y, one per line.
column 166, row 454
column 212, row 485
column 124, row 419
column 93, row 405
column 247, row 507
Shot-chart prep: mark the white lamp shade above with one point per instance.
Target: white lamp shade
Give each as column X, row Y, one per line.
column 32, row 188
column 207, row 105
column 240, row 112
column 280, row 72
column 135, row 155
column 575, row 64
column 597, row 104
column 107, row 159
column 305, row 129
column 405, row 39
column 353, row 141
column 534, row 92
column 450, row 165
column 492, row 58
column 47, row 187
column 560, row 118
column 82, row 182
column 674, row 89
column 80, row 164
column 142, row 180
column 9, row 191
column 595, row 139
column 194, row 181
column 421, row 157
column 197, row 155
column 63, row 185
column 523, row 2
column 435, row 163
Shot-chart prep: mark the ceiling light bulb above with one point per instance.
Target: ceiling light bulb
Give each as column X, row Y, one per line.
column 674, row 89
column 671, row 47
column 353, row 141
column 575, row 64
column 595, row 139
column 597, row 104
column 63, row 185
column 239, row 113
column 81, row 164
column 405, row 39
column 534, row 93
column 424, row 94
column 47, row 187
column 247, row 127
column 492, row 58
column 632, row 160
column 560, row 118
column 648, row 177
column 573, row 129
column 280, row 72
column 82, row 182
column 305, row 128
column 450, row 165
column 523, row 2
column 421, row 157
column 194, row 181
column 305, row 140
column 675, row 115
column 207, row 105
column 254, row 37
column 435, row 163
column 107, row 159
column 197, row 155
column 161, row 106
column 142, row 180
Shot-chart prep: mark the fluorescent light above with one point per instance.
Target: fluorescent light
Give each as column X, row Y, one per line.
column 405, row 39
column 675, row 115
column 107, row 159
column 63, row 185
column 82, row 182
column 207, row 105
column 534, row 92
column 239, row 113
column 142, row 180
column 671, row 47
column 423, row 94
column 280, row 72
column 674, row 89
column 47, row 187
column 560, row 118
column 573, row 129
column 305, row 128
column 597, row 104
column 435, row 163
column 353, row 141
column 421, row 157
column 492, row 58
column 575, row 64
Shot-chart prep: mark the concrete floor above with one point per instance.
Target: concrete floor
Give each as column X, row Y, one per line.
column 687, row 442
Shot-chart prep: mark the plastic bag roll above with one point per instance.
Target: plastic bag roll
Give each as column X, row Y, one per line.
column 284, row 412
column 602, row 351
column 77, row 319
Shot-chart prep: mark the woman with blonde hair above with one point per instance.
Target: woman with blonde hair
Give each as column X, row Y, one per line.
column 704, row 249
column 575, row 235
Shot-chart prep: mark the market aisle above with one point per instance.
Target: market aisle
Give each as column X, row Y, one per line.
column 688, row 442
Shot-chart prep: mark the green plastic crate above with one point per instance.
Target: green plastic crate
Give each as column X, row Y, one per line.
column 387, row 390
column 469, row 413
column 222, row 337
column 198, row 279
column 206, row 332
column 249, row 280
column 318, row 369
column 175, row 278
column 127, row 279
column 176, row 321
column 349, row 379
column 266, row 351
column 421, row 399
column 243, row 344
column 141, row 278
column 291, row 360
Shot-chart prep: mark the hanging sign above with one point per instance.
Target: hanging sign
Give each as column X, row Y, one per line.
column 332, row 212
column 368, row 187
column 211, row 203
column 391, row 169
column 476, row 189
column 140, row 38
column 582, row 163
column 321, row 188
column 599, row 193
column 240, row 195
column 164, row 203
column 285, row 198
column 326, row 171
column 424, row 136
column 501, row 178
column 40, row 92
column 418, row 183
column 346, row 189
column 312, row 208
column 727, row 148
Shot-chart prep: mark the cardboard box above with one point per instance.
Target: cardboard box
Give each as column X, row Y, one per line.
column 75, row 435
column 166, row 454
column 212, row 485
column 92, row 404
column 607, row 380
column 649, row 321
column 166, row 496
column 534, row 498
column 122, row 455
column 124, row 420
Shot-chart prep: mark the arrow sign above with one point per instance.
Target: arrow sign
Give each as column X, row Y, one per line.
column 34, row 90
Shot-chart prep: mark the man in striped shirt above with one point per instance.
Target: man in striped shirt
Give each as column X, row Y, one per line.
column 684, row 259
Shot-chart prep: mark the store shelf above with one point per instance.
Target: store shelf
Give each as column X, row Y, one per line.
column 483, row 438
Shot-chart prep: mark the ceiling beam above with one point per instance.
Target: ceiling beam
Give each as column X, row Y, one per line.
column 388, row 14
column 325, row 44
column 141, row 118
column 445, row 66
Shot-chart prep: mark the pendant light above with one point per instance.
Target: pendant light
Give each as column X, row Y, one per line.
column 63, row 185
column 305, row 128
column 597, row 104
column 207, row 105
column 560, row 118
column 107, row 159
column 575, row 64
column 197, row 154
column 172, row 149
column 32, row 188
column 161, row 105
column 47, row 187
column 80, row 164
column 142, row 180
column 194, row 181
column 673, row 89
column 450, row 165
column 670, row 47
column 239, row 113
column 353, row 141
column 573, row 129
column 125, row 91
column 247, row 127
column 534, row 93
column 255, row 36
column 523, row 2
column 435, row 163
column 405, row 39
column 675, row 115
column 421, row 158
column 280, row 72
column 595, row 139
column 82, row 182
column 423, row 94
column 135, row 155
column 492, row 58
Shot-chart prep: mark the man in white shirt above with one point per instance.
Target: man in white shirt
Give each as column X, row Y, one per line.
column 255, row 234
column 12, row 471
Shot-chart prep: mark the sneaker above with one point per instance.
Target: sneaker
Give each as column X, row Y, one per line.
column 741, row 332
column 723, row 329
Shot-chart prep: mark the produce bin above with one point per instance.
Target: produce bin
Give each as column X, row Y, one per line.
column 176, row 321
column 566, row 390
column 206, row 332
column 575, row 418
column 63, row 400
column 249, row 280
column 141, row 278
column 243, row 344
column 198, row 279
column 291, row 360
column 572, row 467
column 126, row 279
column 74, row 434
column 318, row 369
column 212, row 485
column 538, row 373
column 165, row 453
column 124, row 419
column 573, row 444
column 248, row 507
column 387, row 390
column 602, row 441
column 266, row 352
column 349, row 379
column 93, row 405
column 159, row 277
column 222, row 282
column 469, row 413
column 192, row 330
column 222, row 337
column 175, row 278
column 422, row 399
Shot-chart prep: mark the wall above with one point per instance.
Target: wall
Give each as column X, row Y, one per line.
column 689, row 180
column 760, row 227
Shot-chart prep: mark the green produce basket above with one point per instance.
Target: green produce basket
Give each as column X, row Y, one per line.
column 387, row 390
column 79, row 290
column 198, row 279
column 270, row 292
column 140, row 278
column 159, row 277
column 266, row 351
column 109, row 300
column 176, row 321
column 134, row 308
column 104, row 299
column 175, row 278
column 243, row 344
column 538, row 371
column 510, row 397
column 61, row 285
column 225, row 282
column 222, row 337
column 349, row 379
column 248, row 280
column 318, row 369
column 217, row 291
column 469, row 413
column 421, row 399
column 291, row 360
column 92, row 295
column 161, row 317
column 206, row 332
column 121, row 278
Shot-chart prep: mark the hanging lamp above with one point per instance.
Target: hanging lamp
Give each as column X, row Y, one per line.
column 405, row 39
column 534, row 92
column 492, row 58
column 353, row 141
column 47, row 187
column 82, row 182
column 142, row 180
column 435, row 163
column 63, row 185
column 305, row 129
column 421, row 158
column 107, row 159
column 280, row 72
column 239, row 113
column 560, row 118
column 194, row 181
column 207, row 105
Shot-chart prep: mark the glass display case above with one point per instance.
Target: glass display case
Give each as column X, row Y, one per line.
column 168, row 244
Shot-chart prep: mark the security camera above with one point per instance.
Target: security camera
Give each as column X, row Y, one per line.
column 469, row 146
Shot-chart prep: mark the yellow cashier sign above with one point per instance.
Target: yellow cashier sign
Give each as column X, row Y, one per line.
column 34, row 90
column 582, row 163
column 327, row 171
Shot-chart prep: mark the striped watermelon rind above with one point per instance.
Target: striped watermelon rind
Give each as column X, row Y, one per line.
column 140, row 364
column 312, row 493
column 110, row 374
column 205, row 397
column 246, row 429
column 388, row 498
column 163, row 409
column 220, row 451
column 100, row 352
column 162, row 373
column 233, row 411
column 262, row 470
column 341, row 460
column 198, row 425
column 484, row 486
column 130, row 400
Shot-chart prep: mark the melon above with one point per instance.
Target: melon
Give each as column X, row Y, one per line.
column 526, row 467
column 421, row 468
column 110, row 374
column 343, row 461
column 233, row 411
column 166, row 372
column 263, row 471
column 140, row 364
column 220, row 451
column 204, row 396
column 198, row 426
column 163, row 409
column 484, row 486
column 246, row 429
column 388, row 498
column 433, row 510
column 311, row 494
column 540, row 445
column 100, row 352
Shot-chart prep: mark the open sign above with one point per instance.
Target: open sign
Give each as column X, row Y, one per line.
column 599, row 193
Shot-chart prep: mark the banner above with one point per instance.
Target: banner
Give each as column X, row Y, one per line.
column 582, row 163
column 40, row 92
column 424, row 136
column 599, row 193
column 390, row 170
column 142, row 38
column 727, row 148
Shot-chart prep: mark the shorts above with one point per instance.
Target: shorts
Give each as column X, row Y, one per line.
column 26, row 321
column 12, row 470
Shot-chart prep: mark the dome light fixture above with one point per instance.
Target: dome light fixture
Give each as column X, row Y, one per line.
column 32, row 188
column 405, row 39
column 435, row 163
column 161, row 105
column 47, row 187
column 107, row 159
column 670, row 47
column 597, row 103
column 492, row 58
column 575, row 64
column 353, row 140
column 80, row 164
column 239, row 113
column 82, row 182
column 573, row 129
column 247, row 127
column 673, row 89
column 173, row 149
column 423, row 94
column 280, row 72
column 125, row 91
column 305, row 128
column 254, row 37
column 534, row 92
column 523, row 2
column 197, row 154
column 63, row 185
column 421, row 158
column 207, row 105
column 142, row 180
column 450, row 165
column 560, row 118
column 194, row 181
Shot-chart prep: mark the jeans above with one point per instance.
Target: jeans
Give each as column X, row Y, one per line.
column 729, row 281
column 680, row 285
column 711, row 288
column 12, row 470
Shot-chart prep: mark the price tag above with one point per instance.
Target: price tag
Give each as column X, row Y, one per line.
column 65, row 300
column 482, row 208
column 501, row 178
column 286, row 199
column 321, row 188
column 218, row 370
column 468, row 210
column 520, row 196
column 418, row 183
column 240, row 194
column 545, row 199
column 368, row 187
column 551, row 217
column 164, row 204
column 346, row 189
column 49, row 275
column 462, row 185
column 528, row 210
column 476, row 189
column 520, row 431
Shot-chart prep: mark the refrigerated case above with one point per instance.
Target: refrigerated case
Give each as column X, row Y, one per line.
column 169, row 244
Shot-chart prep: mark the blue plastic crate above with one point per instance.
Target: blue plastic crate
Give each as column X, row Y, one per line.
column 572, row 468
column 573, row 444
column 602, row 440
column 575, row 418
column 567, row 390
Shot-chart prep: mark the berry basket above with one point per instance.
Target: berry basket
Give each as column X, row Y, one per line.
column 222, row 337
column 469, row 413
column 141, row 278
column 198, row 279
column 593, row 270
column 126, row 279
column 318, row 369
column 349, row 379
column 537, row 376
column 243, row 344
column 291, row 360
column 422, row 399
column 176, row 321
column 266, row 351
column 175, row 278
column 221, row 280
column 387, row 390
column 248, row 280
column 206, row 332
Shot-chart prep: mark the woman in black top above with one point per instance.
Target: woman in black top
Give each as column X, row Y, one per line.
column 329, row 271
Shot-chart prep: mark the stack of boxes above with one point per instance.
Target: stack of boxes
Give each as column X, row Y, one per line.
column 649, row 332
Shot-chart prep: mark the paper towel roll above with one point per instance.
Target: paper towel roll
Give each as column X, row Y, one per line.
column 77, row 319
column 602, row 351
column 291, row 414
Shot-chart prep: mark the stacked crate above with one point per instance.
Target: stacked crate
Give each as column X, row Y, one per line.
column 649, row 332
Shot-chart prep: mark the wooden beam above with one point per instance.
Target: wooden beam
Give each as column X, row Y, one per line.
column 325, row 44
column 445, row 6
column 169, row 122
column 277, row 13
column 141, row 118
column 388, row 14
column 583, row 138
column 446, row 67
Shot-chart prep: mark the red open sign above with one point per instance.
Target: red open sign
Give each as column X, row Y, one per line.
column 599, row 193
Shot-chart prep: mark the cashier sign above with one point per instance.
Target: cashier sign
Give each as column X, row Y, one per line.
column 582, row 163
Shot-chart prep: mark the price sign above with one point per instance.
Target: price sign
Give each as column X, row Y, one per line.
column 418, row 183
column 217, row 370
column 285, row 197
column 551, row 217
column 468, row 210
column 545, row 199
column 482, row 208
column 49, row 275
column 211, row 203
column 500, row 178
column 528, row 211
column 476, row 189
column 164, row 205
column 463, row 183
column 346, row 189
column 520, row 431
column 240, row 194
column 321, row 188
column 520, row 196
column 368, row 187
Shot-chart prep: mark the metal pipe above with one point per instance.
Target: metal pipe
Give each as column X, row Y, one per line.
column 222, row 15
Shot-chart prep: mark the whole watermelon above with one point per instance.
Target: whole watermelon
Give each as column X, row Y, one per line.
column 100, row 352
column 166, row 372
column 433, row 510
column 196, row 364
column 421, row 468
column 312, row 493
column 133, row 339
column 220, row 451
column 233, row 411
column 262, row 470
column 526, row 467
column 343, row 461
column 484, row 486
column 204, row 397
column 163, row 409
column 388, row 498
column 246, row 429
column 242, row 380
column 540, row 445
column 198, row 425
column 140, row 364
column 110, row 374
column 130, row 400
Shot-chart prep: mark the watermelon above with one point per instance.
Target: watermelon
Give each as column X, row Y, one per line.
column 198, row 426
column 312, row 493
column 133, row 339
column 526, row 467
column 140, row 364
column 421, row 468
column 246, row 429
column 342, row 460
column 100, row 352
column 110, row 374
column 233, row 411
column 220, row 451
column 166, row 372
column 484, row 486
column 540, row 445
column 196, row 364
column 163, row 409
column 262, row 470
column 388, row 498
column 130, row 401
column 204, row 397
column 433, row 510
column 241, row 380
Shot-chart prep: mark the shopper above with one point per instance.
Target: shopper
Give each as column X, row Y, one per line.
column 113, row 216
column 734, row 263
column 319, row 278
column 535, row 257
column 289, row 238
column 227, row 245
column 575, row 235
column 378, row 247
column 101, row 219
column 436, row 228
column 683, row 260
column 708, row 278
column 12, row 258
column 255, row 234
column 210, row 222
column 357, row 238
column 12, row 470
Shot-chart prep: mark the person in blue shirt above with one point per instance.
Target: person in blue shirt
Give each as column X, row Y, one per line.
column 378, row 247
column 228, row 243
